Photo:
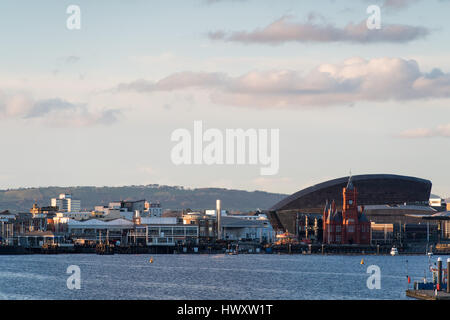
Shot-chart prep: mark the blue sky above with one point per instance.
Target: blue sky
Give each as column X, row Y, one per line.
column 378, row 108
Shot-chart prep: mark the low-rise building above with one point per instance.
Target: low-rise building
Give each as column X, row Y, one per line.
column 207, row 225
column 151, row 231
column 166, row 231
column 258, row 230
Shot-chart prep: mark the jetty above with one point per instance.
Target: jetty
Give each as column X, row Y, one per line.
column 439, row 289
column 427, row 294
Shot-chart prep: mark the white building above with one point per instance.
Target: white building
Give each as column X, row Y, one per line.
column 235, row 228
column 213, row 212
column 78, row 216
column 437, row 202
column 65, row 203
column 152, row 231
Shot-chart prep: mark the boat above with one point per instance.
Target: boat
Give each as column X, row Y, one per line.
column 394, row 251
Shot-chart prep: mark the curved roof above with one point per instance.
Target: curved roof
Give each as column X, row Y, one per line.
column 372, row 189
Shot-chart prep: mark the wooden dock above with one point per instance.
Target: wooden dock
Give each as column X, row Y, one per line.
column 428, row 295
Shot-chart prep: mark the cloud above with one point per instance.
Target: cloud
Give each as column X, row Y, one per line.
column 351, row 81
column 177, row 81
column 398, row 4
column 285, row 30
column 55, row 111
column 219, row 1
column 439, row 131
column 42, row 107
column 72, row 59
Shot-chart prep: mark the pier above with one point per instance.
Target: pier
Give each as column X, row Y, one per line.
column 428, row 294
column 439, row 289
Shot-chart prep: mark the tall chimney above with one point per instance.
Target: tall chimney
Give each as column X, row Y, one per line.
column 219, row 218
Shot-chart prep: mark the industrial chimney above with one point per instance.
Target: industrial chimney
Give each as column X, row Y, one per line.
column 219, row 218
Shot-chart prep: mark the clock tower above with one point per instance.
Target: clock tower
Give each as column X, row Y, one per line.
column 350, row 214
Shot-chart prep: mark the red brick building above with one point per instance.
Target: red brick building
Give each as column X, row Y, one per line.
column 349, row 226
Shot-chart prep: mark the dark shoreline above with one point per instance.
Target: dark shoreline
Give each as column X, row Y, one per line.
column 316, row 249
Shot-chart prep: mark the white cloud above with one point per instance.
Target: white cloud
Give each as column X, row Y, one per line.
column 439, row 131
column 351, row 81
column 53, row 112
column 286, row 30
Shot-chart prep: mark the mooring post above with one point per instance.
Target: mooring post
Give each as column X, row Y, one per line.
column 448, row 275
column 439, row 275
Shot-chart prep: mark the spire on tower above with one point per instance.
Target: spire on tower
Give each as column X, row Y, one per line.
column 350, row 183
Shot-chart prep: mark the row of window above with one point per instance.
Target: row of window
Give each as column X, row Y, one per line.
column 350, row 228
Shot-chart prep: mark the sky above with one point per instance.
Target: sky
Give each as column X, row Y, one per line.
column 97, row 106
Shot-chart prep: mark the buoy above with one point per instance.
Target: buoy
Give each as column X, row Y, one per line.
column 362, row 261
column 151, row 260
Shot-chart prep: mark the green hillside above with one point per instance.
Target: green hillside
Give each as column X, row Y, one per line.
column 170, row 197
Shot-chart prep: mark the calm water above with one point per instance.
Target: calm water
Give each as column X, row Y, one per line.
column 206, row 276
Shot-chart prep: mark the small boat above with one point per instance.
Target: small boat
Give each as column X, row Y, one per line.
column 394, row 251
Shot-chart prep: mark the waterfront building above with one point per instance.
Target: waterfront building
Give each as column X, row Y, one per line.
column 206, row 223
column 151, row 231
column 373, row 189
column 37, row 239
column 254, row 230
column 66, row 203
column 381, row 233
column 7, row 220
column 435, row 227
column 350, row 226
column 387, row 199
column 167, row 232
column 437, row 203
column 94, row 230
